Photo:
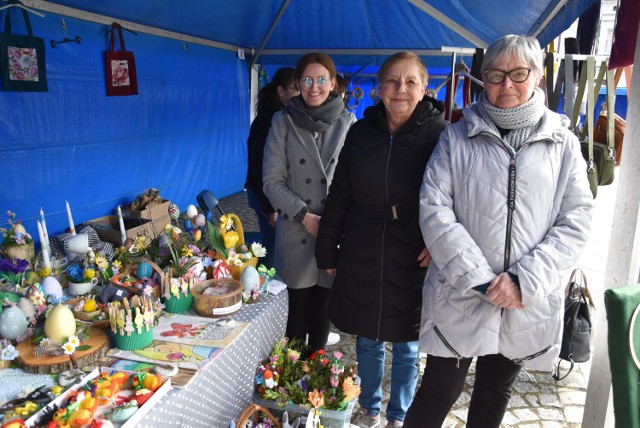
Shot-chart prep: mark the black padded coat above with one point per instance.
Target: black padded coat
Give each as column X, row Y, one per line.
column 369, row 230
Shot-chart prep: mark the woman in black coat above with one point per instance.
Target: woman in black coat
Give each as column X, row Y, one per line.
column 272, row 98
column 370, row 236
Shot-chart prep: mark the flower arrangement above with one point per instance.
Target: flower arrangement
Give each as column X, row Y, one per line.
column 322, row 381
column 13, row 270
column 17, row 235
column 186, row 257
column 107, row 269
column 228, row 241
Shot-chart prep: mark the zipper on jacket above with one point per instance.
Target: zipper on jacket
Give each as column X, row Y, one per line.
column 511, row 207
column 384, row 231
column 448, row 345
column 519, row 361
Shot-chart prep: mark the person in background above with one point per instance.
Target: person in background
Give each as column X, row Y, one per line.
column 505, row 208
column 341, row 85
column 299, row 160
column 272, row 98
column 370, row 237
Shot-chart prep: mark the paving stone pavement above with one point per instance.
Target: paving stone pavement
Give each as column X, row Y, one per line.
column 538, row 401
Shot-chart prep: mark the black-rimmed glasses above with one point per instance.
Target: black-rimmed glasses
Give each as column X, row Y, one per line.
column 517, row 75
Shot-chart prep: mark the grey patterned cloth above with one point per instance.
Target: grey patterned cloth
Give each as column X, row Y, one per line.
column 223, row 388
column 59, row 246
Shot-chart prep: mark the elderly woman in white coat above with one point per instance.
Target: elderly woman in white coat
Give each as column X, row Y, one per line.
column 505, row 209
column 300, row 157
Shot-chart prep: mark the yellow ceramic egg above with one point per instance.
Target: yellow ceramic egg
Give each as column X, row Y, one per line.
column 60, row 323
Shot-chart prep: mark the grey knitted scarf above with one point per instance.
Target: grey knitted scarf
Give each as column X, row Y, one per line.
column 521, row 120
column 316, row 119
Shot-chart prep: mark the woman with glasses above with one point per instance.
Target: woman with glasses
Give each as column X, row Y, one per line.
column 272, row 98
column 505, row 210
column 299, row 160
column 370, row 236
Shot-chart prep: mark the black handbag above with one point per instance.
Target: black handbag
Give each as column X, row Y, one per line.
column 577, row 327
column 22, row 61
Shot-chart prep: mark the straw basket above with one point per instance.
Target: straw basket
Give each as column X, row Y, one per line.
column 237, row 270
column 22, row 251
column 131, row 270
column 252, row 412
column 227, row 301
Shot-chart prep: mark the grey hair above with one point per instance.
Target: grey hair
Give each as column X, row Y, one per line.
column 525, row 48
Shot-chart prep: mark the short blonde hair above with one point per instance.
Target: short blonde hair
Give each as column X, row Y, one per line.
column 401, row 56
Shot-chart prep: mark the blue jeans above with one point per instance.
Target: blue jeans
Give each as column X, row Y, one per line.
column 267, row 233
column 404, row 376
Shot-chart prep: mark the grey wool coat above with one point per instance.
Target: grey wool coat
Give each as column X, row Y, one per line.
column 296, row 173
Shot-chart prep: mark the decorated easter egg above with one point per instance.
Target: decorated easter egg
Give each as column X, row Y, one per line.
column 192, row 211
column 249, row 278
column 27, row 307
column 60, row 323
column 52, row 287
column 174, row 211
column 199, row 221
column 144, row 270
column 188, row 226
column 13, row 323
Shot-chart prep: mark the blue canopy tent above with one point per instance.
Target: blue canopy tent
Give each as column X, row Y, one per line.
column 187, row 128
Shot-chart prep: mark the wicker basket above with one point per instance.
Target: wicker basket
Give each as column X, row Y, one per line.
column 221, row 304
column 131, row 270
column 252, row 412
column 233, row 269
column 23, row 252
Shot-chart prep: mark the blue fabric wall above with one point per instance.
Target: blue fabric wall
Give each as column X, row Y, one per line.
column 184, row 132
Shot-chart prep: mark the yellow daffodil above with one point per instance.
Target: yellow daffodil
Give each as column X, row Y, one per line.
column 226, row 223
column 117, row 264
column 89, row 274
column 231, row 238
column 186, row 251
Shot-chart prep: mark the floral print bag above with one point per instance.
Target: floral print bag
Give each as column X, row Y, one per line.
column 120, row 67
column 22, row 63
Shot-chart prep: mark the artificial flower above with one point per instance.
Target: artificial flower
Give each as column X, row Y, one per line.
column 258, row 250
column 45, row 342
column 68, row 348
column 316, row 398
column 74, row 341
column 9, row 353
column 13, row 265
column 89, row 274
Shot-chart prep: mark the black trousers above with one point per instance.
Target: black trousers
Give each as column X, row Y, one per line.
column 308, row 313
column 442, row 384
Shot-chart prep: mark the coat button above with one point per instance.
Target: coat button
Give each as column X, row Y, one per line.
column 279, row 211
column 323, row 181
column 302, row 161
column 286, row 217
column 304, row 241
column 308, row 201
column 308, row 181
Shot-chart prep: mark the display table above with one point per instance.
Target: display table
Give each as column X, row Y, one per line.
column 224, row 387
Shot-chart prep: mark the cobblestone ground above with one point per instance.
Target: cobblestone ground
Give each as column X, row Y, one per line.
column 538, row 401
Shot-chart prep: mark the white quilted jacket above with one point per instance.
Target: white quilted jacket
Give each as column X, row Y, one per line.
column 464, row 218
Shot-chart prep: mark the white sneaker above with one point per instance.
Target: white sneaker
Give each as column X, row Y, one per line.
column 333, row 338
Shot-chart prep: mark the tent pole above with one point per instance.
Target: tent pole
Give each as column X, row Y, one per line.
column 623, row 259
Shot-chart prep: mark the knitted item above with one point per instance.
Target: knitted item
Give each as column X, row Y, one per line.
column 315, row 119
column 521, row 120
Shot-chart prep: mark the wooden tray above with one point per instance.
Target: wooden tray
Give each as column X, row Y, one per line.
column 98, row 342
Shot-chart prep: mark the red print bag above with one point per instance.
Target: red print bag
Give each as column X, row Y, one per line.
column 120, row 67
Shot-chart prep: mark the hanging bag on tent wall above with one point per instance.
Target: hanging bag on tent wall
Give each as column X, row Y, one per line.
column 120, row 67
column 22, row 63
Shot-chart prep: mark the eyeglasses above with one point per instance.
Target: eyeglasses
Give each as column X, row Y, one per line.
column 517, row 75
column 307, row 82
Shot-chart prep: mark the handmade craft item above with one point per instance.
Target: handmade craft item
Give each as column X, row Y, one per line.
column 217, row 297
column 176, row 293
column 132, row 322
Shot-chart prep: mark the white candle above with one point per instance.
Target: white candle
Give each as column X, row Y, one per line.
column 72, row 228
column 123, row 232
column 46, row 259
column 45, row 232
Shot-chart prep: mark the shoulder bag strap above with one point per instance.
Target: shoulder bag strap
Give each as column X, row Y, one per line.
column 25, row 15
column 591, row 65
column 115, row 26
column 611, row 116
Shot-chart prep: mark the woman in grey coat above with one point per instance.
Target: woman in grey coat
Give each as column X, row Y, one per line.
column 505, row 210
column 300, row 157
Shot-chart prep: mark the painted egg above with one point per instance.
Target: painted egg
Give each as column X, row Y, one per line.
column 249, row 278
column 19, row 228
column 27, row 307
column 13, row 323
column 188, row 226
column 52, row 287
column 199, row 221
column 60, row 323
column 192, row 211
column 174, row 211
column 145, row 270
